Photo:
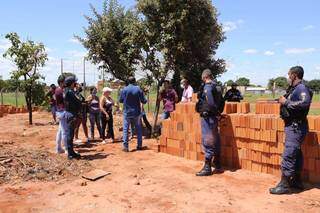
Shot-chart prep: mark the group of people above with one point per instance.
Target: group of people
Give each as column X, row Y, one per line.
column 71, row 110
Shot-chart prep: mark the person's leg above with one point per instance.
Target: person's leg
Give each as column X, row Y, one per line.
column 290, row 159
column 64, row 129
column 103, row 125
column 138, row 128
column 92, row 121
column 126, row 124
column 53, row 111
column 59, row 135
column 97, row 119
column 207, row 125
column 110, row 126
column 76, row 130
column 84, row 124
column 71, row 122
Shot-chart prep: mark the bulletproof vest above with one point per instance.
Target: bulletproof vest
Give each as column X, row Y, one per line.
column 203, row 106
column 293, row 116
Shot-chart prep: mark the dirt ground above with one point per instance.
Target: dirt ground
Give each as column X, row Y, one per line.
column 143, row 181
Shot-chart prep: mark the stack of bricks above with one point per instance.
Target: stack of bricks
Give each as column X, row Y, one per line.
column 7, row 109
column 251, row 141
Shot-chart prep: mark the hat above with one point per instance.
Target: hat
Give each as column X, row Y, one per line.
column 70, row 80
column 107, row 89
column 234, row 84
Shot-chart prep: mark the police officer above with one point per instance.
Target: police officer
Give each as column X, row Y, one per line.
column 233, row 94
column 73, row 108
column 207, row 107
column 294, row 110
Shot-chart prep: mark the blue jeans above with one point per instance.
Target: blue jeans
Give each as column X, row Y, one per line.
column 62, row 130
column 210, row 137
column 137, row 124
column 94, row 118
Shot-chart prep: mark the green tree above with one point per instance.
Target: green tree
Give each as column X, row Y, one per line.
column 187, row 34
column 112, row 40
column 229, row 82
column 243, row 81
column 28, row 56
column 280, row 82
column 314, row 85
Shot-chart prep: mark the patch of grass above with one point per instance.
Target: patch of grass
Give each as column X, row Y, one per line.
column 10, row 99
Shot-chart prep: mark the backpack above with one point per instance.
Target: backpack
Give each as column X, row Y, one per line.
column 217, row 94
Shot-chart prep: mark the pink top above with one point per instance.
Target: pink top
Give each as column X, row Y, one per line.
column 187, row 94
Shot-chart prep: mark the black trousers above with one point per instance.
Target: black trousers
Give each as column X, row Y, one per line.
column 104, row 123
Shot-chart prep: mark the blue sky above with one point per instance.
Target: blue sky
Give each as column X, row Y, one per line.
column 264, row 38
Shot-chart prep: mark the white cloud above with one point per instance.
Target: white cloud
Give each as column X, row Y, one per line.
column 4, row 44
column 250, row 51
column 74, row 40
column 318, row 68
column 269, row 53
column 232, row 25
column 299, row 50
column 308, row 27
column 230, row 66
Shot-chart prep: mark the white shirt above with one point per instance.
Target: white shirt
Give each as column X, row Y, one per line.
column 187, row 94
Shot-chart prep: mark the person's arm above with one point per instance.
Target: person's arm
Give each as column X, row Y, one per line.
column 121, row 98
column 176, row 98
column 303, row 102
column 102, row 100
column 89, row 99
column 143, row 99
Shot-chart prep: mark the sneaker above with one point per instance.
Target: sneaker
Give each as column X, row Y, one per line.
column 60, row 151
column 104, row 142
column 125, row 149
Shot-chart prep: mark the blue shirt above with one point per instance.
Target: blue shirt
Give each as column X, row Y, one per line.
column 132, row 97
column 299, row 101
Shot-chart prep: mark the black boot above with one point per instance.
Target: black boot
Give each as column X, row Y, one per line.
column 296, row 182
column 206, row 170
column 282, row 188
column 217, row 165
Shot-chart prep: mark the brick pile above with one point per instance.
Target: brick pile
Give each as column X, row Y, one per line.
column 7, row 109
column 251, row 141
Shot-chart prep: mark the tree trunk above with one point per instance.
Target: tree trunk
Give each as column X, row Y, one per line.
column 156, row 113
column 29, row 103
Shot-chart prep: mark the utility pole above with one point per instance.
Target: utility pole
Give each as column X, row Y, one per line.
column 61, row 66
column 84, row 76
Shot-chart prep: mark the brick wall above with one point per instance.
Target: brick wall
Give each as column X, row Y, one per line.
column 252, row 141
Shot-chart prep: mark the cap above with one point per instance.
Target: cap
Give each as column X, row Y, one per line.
column 70, row 80
column 234, row 84
column 107, row 89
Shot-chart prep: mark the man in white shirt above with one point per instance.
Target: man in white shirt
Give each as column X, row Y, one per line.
column 187, row 91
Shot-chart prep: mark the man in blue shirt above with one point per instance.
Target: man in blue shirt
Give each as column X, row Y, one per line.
column 132, row 97
column 208, row 107
column 295, row 107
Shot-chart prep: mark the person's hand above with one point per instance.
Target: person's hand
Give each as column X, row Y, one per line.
column 107, row 116
column 282, row 100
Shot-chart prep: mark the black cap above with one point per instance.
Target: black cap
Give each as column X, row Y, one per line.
column 70, row 80
column 234, row 84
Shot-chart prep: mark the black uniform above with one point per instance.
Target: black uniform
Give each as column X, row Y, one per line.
column 233, row 95
column 73, row 108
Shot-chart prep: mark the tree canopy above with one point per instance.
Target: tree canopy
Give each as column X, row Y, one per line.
column 28, row 56
column 280, row 82
column 243, row 81
column 112, row 39
column 187, row 33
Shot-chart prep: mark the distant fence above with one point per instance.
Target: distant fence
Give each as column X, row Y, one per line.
column 15, row 98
